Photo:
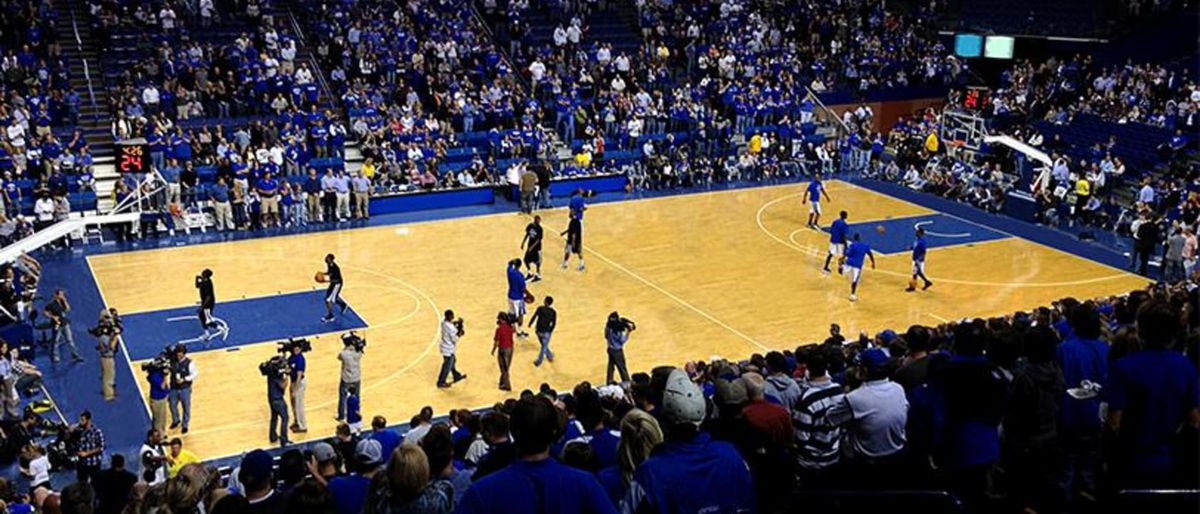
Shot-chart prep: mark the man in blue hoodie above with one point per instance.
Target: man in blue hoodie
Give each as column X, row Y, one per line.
column 689, row 472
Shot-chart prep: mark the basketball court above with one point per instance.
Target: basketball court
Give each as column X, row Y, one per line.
column 725, row 273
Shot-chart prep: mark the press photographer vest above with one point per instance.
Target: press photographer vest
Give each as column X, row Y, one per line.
column 181, row 369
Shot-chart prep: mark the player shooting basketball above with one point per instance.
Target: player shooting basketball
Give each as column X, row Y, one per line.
column 333, row 293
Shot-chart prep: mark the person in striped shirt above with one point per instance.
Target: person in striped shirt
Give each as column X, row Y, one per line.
column 817, row 434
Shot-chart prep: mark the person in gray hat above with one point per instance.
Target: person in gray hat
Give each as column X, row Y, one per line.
column 689, row 472
column 324, row 463
column 350, row 491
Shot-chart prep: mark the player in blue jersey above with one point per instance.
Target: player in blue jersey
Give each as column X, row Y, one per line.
column 812, row 197
column 856, row 253
column 918, row 262
column 837, row 242
column 517, row 294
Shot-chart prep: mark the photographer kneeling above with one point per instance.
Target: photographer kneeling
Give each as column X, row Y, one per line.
column 351, row 376
column 616, row 334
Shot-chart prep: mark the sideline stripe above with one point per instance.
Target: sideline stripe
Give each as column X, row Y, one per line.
column 677, row 299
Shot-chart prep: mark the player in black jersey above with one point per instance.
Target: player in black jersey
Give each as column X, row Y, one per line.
column 532, row 244
column 574, row 233
column 333, row 293
column 208, row 300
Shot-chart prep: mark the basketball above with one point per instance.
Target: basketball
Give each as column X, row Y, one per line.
column 880, row 229
column 529, row 297
column 321, row 277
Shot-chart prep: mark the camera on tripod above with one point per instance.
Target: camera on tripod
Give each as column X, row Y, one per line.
column 352, row 338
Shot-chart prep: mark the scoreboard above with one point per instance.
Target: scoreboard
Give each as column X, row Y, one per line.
column 133, row 157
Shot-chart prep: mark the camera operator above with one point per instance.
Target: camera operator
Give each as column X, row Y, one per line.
column 152, row 459
column 452, row 331
column 296, row 367
column 106, row 331
column 183, row 373
column 275, row 370
column 156, row 375
column 616, row 333
column 351, row 376
column 91, row 448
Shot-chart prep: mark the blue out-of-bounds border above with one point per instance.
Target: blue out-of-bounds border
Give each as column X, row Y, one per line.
column 1010, row 226
column 250, row 320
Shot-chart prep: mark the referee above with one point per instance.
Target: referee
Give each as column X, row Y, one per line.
column 208, row 300
column 333, row 293
column 532, row 244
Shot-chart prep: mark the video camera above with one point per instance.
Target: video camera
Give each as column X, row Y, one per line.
column 161, row 362
column 274, row 367
column 628, row 324
column 286, row 346
column 352, row 338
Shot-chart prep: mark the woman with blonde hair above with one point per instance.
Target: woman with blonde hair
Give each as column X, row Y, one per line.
column 405, row 487
column 640, row 434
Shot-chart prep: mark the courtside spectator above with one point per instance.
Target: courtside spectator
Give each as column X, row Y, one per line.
column 404, row 488
column 350, row 491
column 258, row 484
column 535, row 482
column 689, row 472
column 1152, row 395
column 874, row 417
column 1083, row 358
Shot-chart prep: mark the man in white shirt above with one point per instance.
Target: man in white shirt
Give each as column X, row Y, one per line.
column 875, row 414
column 452, row 330
column 43, row 210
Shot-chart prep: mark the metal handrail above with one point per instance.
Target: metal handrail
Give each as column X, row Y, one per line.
column 87, row 75
column 312, row 61
column 828, row 112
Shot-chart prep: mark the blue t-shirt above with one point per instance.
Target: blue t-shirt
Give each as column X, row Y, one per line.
column 545, row 486
column 219, row 193
column 516, row 284
column 297, row 364
column 349, row 493
column 1155, row 389
column 698, row 475
column 838, row 231
column 856, row 253
column 388, row 440
column 814, row 190
column 268, row 186
column 577, row 207
column 158, row 387
column 604, row 446
column 918, row 252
